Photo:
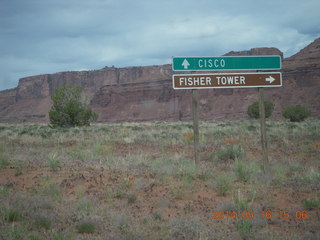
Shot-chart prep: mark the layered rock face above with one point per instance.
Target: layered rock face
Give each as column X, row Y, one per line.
column 146, row 93
column 30, row 101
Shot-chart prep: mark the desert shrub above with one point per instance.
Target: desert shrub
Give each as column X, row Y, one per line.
column 52, row 190
column 12, row 215
column 14, row 233
column 61, row 236
column 280, row 174
column 252, row 128
column 243, row 202
column 131, row 198
column 244, row 170
column 310, row 204
column 123, row 222
column 244, row 226
column 85, row 206
column 157, row 216
column 42, row 222
column 253, row 109
column 3, row 160
column 53, row 162
column 69, row 108
column 188, row 228
column 296, row 113
column 18, row 165
column 4, row 191
column 177, row 192
column 228, row 152
column 87, row 227
column 34, row 238
column 223, row 183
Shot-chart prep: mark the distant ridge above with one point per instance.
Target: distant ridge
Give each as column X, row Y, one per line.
column 146, row 93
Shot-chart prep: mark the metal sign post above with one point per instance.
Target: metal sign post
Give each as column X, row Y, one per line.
column 195, row 125
column 264, row 144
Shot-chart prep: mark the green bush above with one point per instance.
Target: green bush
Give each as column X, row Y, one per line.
column 296, row 113
column 244, row 226
column 253, row 109
column 310, row 203
column 188, row 228
column 53, row 162
column 223, row 182
column 243, row 170
column 69, row 108
column 131, row 198
column 86, row 227
column 12, row 215
column 3, row 160
column 42, row 222
column 229, row 152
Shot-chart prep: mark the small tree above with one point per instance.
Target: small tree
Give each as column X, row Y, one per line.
column 253, row 109
column 69, row 108
column 296, row 113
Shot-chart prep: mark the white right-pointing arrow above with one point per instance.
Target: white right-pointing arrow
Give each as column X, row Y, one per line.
column 185, row 64
column 270, row 79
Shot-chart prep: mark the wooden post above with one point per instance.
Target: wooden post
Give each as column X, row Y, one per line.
column 195, row 125
column 264, row 144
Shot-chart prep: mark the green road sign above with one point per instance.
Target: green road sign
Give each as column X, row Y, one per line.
column 226, row 63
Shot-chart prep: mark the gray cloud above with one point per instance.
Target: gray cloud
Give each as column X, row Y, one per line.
column 44, row 36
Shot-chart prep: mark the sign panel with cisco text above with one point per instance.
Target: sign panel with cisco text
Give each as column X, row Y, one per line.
column 226, row 63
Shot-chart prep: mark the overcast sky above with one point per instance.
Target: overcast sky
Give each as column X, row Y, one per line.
column 48, row 36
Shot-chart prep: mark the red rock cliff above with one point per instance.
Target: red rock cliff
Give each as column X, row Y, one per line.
column 146, row 93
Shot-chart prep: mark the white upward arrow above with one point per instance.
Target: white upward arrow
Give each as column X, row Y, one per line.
column 185, row 64
column 270, row 79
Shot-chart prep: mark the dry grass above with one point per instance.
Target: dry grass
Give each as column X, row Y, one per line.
column 138, row 180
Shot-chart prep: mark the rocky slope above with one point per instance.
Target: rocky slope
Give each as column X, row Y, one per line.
column 146, row 93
